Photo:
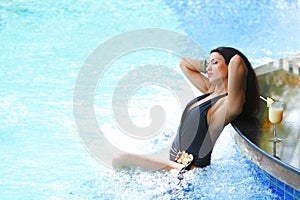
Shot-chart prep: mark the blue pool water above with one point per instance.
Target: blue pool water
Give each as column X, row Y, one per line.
column 43, row 47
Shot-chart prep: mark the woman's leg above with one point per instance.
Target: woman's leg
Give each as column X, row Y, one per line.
column 145, row 161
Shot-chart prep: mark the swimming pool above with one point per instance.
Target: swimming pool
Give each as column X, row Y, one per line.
column 43, row 47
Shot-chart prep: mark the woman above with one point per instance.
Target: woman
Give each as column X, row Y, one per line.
column 230, row 92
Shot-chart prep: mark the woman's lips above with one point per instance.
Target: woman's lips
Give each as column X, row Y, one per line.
column 209, row 74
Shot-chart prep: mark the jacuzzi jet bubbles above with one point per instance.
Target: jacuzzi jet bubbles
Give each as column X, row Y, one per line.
column 101, row 59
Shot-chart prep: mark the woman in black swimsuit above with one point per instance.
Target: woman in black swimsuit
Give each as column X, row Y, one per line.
column 230, row 91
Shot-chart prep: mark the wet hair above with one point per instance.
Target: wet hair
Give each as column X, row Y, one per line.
column 252, row 104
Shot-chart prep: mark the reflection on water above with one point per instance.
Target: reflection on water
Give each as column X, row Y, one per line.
column 282, row 85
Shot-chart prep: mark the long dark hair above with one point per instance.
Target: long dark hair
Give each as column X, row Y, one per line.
column 252, row 105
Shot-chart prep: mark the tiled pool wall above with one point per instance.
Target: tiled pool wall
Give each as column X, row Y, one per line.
column 280, row 188
column 284, row 191
column 251, row 151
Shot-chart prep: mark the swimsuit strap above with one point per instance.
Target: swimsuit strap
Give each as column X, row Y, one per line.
column 197, row 99
column 214, row 99
column 209, row 102
column 192, row 102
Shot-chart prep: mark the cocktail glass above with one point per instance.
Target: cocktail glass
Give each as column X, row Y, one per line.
column 275, row 117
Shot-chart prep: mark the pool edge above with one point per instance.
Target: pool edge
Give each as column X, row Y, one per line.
column 286, row 176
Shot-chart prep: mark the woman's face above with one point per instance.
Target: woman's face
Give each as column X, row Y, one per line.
column 217, row 69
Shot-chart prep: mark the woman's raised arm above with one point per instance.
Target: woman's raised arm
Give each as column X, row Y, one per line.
column 192, row 70
column 237, row 76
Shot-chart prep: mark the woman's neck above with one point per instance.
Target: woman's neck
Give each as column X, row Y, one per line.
column 219, row 90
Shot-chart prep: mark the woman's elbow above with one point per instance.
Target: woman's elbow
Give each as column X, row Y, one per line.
column 183, row 62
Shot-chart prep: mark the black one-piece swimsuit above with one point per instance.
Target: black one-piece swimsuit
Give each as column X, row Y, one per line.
column 192, row 131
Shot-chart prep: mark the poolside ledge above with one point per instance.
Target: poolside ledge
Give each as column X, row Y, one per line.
column 282, row 177
column 280, row 162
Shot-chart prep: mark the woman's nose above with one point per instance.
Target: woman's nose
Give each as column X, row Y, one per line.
column 208, row 67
